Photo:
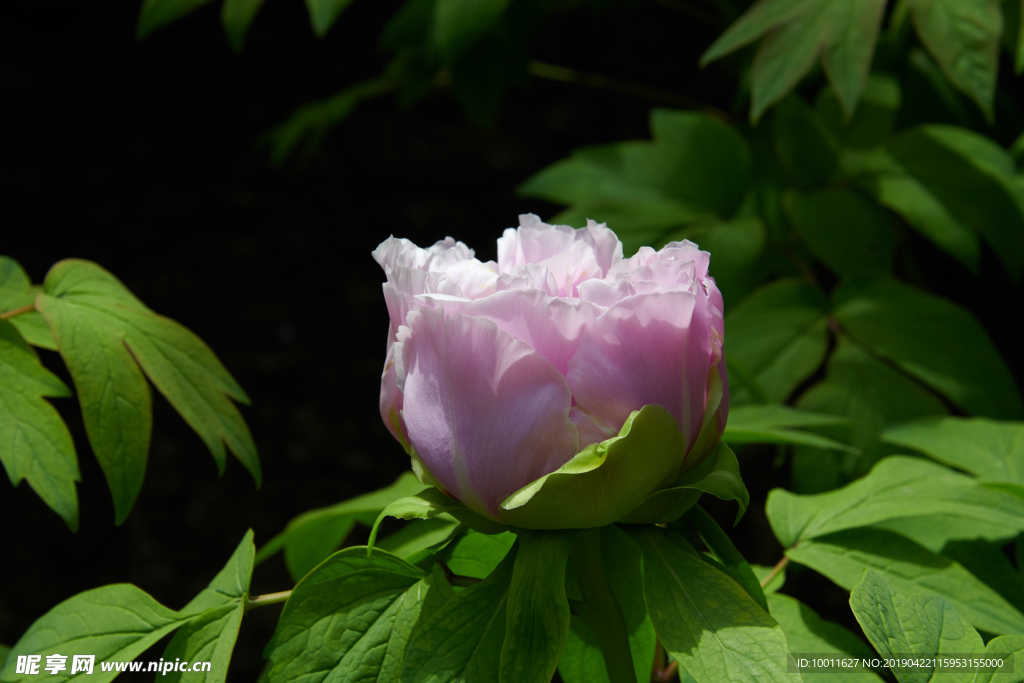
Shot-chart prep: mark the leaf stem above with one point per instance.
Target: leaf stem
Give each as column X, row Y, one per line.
column 779, row 566
column 267, row 599
column 17, row 311
column 553, row 72
column 601, row 609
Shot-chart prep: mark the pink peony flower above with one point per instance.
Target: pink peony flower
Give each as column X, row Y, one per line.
column 500, row 373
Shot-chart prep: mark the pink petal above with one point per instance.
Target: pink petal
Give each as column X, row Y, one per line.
column 390, row 396
column 550, row 325
column 485, row 412
column 394, row 252
column 647, row 348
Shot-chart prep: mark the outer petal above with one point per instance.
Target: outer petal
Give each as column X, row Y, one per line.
column 485, row 412
column 390, row 396
column 650, row 348
column 393, row 252
column 550, row 325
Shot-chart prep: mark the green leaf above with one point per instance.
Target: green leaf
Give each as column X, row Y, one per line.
column 323, row 14
column 1001, row 647
column 779, row 336
column 462, row 641
column 849, row 233
column 418, row 537
column 416, row 605
column 158, row 13
column 902, row 626
column 537, row 612
column 17, row 291
column 582, row 660
column 772, row 423
column 237, row 16
column 988, row 562
column 932, row 339
column 428, row 504
column 875, row 119
column 34, row 442
column 477, row 555
column 763, row 17
column 964, row 39
column 340, row 617
column 988, row 448
column 107, row 338
column 732, row 562
column 809, row 633
column 705, row 619
column 806, row 147
column 114, row 623
column 4, row 649
column 482, row 73
column 896, row 487
column 460, row 23
column 912, row 569
column 312, row 536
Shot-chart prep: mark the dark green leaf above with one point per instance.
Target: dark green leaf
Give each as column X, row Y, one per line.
column 17, row 291
column 462, row 641
column 460, row 23
column 323, row 14
column 114, row 623
column 932, row 339
column 896, row 487
column 4, row 649
column 237, row 16
column 990, row 449
column 415, row 606
column 340, row 617
column 157, row 13
column 912, row 569
column 763, row 17
column 107, row 338
column 734, row 564
column 705, row 619
column 988, row 562
column 34, row 442
column 809, row 633
column 773, row 423
column 847, row 60
column 779, row 336
column 875, row 119
column 312, row 536
column 848, row 232
column 537, row 612
column 964, row 39
column 804, row 144
column 907, row 626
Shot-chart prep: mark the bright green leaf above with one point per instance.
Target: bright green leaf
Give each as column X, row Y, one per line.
column 107, row 338
column 17, row 291
column 908, row 626
column 1004, row 647
column 428, row 504
column 896, row 487
column 114, row 623
column 158, row 13
column 705, row 619
column 462, row 641
column 34, row 442
column 419, row 537
column 312, row 536
column 964, row 39
column 537, row 612
column 477, row 555
column 237, row 16
column 779, row 335
column 773, row 423
column 912, row 569
column 932, row 339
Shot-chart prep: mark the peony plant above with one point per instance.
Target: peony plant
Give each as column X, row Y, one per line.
column 562, row 386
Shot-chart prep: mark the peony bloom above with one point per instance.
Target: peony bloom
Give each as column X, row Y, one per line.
column 498, row 374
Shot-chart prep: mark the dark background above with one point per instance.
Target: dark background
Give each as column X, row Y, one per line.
column 143, row 157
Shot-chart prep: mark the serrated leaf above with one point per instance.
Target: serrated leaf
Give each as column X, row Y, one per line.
column 158, row 13
column 808, row 633
column 779, row 336
column 896, row 487
column 323, row 14
column 964, row 39
column 705, row 619
column 460, row 23
column 850, row 233
column 236, row 17
column 114, row 623
column 17, row 292
column 463, row 639
column 537, row 612
column 775, row 423
column 908, row 626
column 932, row 339
column 107, row 338
column 312, row 536
column 34, row 441
column 912, row 569
column 340, row 617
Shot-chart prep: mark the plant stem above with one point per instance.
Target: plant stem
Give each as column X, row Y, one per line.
column 17, row 311
column 268, row 599
column 601, row 609
column 779, row 566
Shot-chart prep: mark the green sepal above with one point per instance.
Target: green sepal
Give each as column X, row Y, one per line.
column 430, row 503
